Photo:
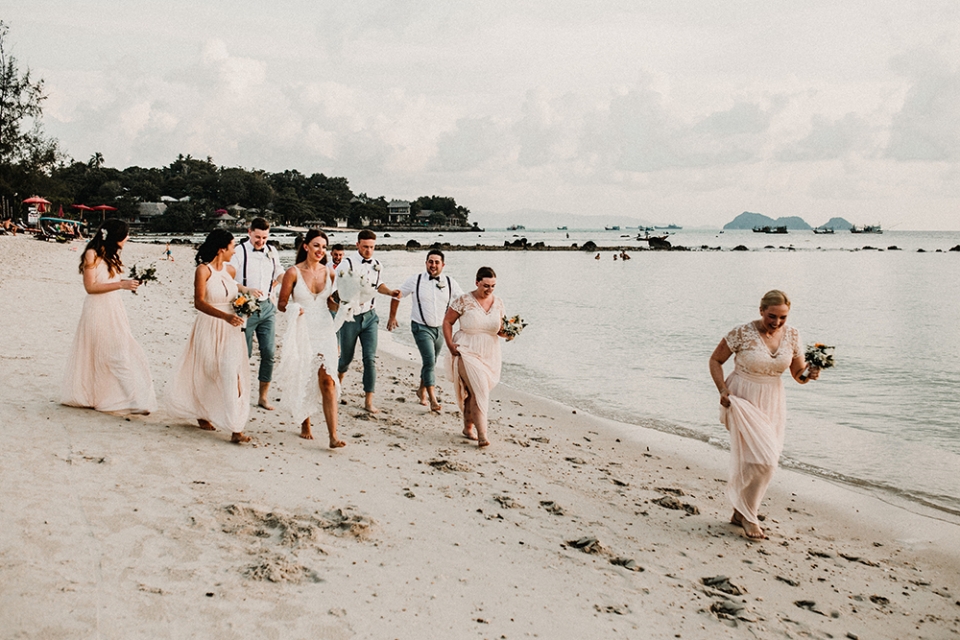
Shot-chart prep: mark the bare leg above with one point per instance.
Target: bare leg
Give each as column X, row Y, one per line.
column 468, row 404
column 422, row 394
column 328, row 389
column 751, row 530
column 264, row 403
column 432, row 395
column 205, row 425
column 368, row 403
column 305, row 431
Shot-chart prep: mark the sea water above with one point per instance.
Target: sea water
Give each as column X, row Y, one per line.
column 630, row 340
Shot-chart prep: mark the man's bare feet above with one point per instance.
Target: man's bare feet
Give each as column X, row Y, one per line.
column 483, row 443
column 369, row 408
column 336, row 444
column 263, row 404
column 435, row 406
column 205, row 425
column 422, row 396
column 264, row 401
column 239, row 438
column 469, row 434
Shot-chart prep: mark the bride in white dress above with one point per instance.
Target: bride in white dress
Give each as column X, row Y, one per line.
column 310, row 342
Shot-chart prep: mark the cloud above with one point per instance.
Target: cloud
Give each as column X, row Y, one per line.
column 925, row 128
column 828, row 140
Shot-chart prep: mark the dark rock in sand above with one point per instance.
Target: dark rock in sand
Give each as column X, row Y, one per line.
column 740, row 247
column 586, row 544
column 792, row 583
column 627, row 563
column 413, row 244
column 589, row 245
column 809, row 605
column 722, row 583
column 956, row 248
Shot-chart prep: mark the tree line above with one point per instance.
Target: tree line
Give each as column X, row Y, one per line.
column 195, row 189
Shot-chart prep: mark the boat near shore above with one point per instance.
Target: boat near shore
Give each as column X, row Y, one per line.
column 826, row 230
column 867, row 228
column 768, row 229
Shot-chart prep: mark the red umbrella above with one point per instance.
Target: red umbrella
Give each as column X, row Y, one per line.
column 37, row 200
column 103, row 208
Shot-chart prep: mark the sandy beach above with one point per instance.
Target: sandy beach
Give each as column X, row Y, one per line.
column 568, row 526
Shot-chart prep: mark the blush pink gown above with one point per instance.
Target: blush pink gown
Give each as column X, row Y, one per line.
column 212, row 381
column 479, row 349
column 757, row 414
column 107, row 369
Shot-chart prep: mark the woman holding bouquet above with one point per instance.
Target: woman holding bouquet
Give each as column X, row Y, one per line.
column 753, row 406
column 310, row 343
column 475, row 351
column 106, row 369
column 212, row 382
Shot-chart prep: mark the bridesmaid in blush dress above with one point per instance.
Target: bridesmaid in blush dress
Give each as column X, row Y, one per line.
column 212, row 382
column 106, row 369
column 753, row 407
column 475, row 351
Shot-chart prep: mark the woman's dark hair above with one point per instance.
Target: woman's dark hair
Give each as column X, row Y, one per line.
column 218, row 239
column 302, row 247
column 485, row 272
column 106, row 244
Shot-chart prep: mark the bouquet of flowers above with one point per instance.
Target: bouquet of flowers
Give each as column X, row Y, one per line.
column 512, row 326
column 245, row 305
column 818, row 356
column 354, row 289
column 143, row 275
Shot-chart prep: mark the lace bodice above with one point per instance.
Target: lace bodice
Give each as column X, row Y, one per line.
column 752, row 356
column 473, row 319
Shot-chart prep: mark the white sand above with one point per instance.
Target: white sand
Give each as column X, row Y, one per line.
column 144, row 528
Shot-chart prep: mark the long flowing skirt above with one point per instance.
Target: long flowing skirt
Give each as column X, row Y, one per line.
column 107, row 369
column 304, row 353
column 212, row 381
column 756, row 419
column 480, row 354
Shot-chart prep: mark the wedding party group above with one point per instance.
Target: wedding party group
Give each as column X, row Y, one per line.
column 329, row 300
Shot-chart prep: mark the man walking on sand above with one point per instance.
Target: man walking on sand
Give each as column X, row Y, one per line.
column 432, row 294
column 258, row 267
column 365, row 323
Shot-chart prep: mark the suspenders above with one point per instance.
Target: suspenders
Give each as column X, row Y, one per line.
column 420, row 305
column 272, row 263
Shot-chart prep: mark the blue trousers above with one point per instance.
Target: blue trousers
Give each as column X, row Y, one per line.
column 263, row 323
column 364, row 327
column 429, row 341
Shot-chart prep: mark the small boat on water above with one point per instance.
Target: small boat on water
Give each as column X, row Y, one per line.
column 564, row 228
column 670, row 227
column 516, row 227
column 823, row 229
column 767, row 229
column 615, row 227
column 867, row 228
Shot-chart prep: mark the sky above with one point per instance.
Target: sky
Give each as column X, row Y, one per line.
column 687, row 112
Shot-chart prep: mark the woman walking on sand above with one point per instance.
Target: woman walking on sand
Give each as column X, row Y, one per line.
column 106, row 369
column 475, row 351
column 753, row 407
column 310, row 343
column 212, row 382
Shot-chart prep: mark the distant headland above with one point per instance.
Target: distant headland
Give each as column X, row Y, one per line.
column 748, row 220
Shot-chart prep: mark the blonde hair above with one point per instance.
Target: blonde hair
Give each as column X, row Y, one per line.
column 773, row 298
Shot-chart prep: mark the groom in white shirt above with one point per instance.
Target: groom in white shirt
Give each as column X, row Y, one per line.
column 258, row 267
column 432, row 294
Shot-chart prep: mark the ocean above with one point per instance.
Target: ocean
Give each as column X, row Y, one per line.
column 630, row 341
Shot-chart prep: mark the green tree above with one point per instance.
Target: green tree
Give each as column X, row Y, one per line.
column 21, row 109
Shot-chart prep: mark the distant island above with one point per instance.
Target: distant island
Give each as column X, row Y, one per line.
column 748, row 220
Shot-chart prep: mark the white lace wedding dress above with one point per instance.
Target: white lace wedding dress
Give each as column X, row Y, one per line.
column 309, row 344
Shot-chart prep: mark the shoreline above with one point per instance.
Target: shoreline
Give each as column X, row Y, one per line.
column 146, row 527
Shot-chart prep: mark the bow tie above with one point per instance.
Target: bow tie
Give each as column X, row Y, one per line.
column 260, row 250
column 435, row 277
column 365, row 261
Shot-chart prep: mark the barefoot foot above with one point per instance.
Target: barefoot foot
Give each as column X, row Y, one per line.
column 239, row 438
column 483, row 443
column 336, row 444
column 306, row 435
column 205, row 425
column 753, row 531
column 422, row 396
column 435, row 407
column 469, row 434
column 369, row 408
column 263, row 404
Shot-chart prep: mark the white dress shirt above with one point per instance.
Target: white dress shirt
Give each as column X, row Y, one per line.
column 262, row 268
column 372, row 268
column 431, row 298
